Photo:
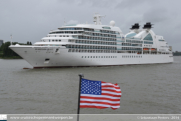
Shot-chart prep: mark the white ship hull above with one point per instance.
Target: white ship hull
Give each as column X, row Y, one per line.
column 63, row 58
column 96, row 45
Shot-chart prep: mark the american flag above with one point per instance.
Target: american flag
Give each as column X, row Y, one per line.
column 99, row 94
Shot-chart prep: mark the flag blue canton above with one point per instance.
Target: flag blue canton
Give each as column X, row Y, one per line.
column 90, row 87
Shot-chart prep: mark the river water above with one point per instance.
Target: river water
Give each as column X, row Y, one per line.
column 146, row 89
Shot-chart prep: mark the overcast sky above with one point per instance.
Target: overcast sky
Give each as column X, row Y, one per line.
column 31, row 20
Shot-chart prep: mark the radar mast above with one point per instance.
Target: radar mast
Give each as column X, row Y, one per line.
column 97, row 19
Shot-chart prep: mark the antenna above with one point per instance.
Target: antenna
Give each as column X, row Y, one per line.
column 64, row 22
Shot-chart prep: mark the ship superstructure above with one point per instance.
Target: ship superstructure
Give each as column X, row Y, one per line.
column 96, row 45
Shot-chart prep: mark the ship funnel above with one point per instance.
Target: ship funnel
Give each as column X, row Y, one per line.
column 135, row 26
column 148, row 25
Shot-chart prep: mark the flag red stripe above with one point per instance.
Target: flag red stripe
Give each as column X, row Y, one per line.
column 110, row 86
column 100, row 98
column 111, row 90
column 111, row 95
column 87, row 106
column 107, row 82
column 106, row 103
column 100, row 107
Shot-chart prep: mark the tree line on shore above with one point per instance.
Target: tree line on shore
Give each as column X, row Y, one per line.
column 6, row 52
column 176, row 53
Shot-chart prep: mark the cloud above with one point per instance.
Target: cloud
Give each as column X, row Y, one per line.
column 93, row 3
column 130, row 4
column 72, row 22
column 156, row 15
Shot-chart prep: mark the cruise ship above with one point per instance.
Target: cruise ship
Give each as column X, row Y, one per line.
column 79, row 45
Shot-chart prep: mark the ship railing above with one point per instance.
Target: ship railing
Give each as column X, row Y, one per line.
column 94, row 43
column 96, row 31
column 100, row 36
column 93, row 39
column 130, row 45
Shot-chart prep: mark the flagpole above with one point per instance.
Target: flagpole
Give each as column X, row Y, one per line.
column 78, row 109
column 11, row 38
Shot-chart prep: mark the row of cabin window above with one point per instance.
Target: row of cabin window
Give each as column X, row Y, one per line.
column 138, row 52
column 51, row 40
column 148, row 42
column 129, row 48
column 131, row 56
column 148, row 45
column 95, row 38
column 134, row 41
column 102, row 31
column 56, row 40
column 91, row 47
column 101, row 35
column 106, row 31
column 126, row 44
column 99, row 56
column 59, row 36
column 95, row 42
column 111, row 36
column 70, row 28
column 92, row 51
column 67, row 32
column 129, row 44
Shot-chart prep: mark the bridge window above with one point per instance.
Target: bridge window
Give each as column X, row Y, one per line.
column 148, row 37
column 130, row 35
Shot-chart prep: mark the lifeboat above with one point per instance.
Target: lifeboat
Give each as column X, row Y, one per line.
column 145, row 49
column 153, row 49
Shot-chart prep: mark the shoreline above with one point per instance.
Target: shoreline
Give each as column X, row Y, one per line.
column 14, row 57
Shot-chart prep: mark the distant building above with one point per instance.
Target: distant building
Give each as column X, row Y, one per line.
column 1, row 42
